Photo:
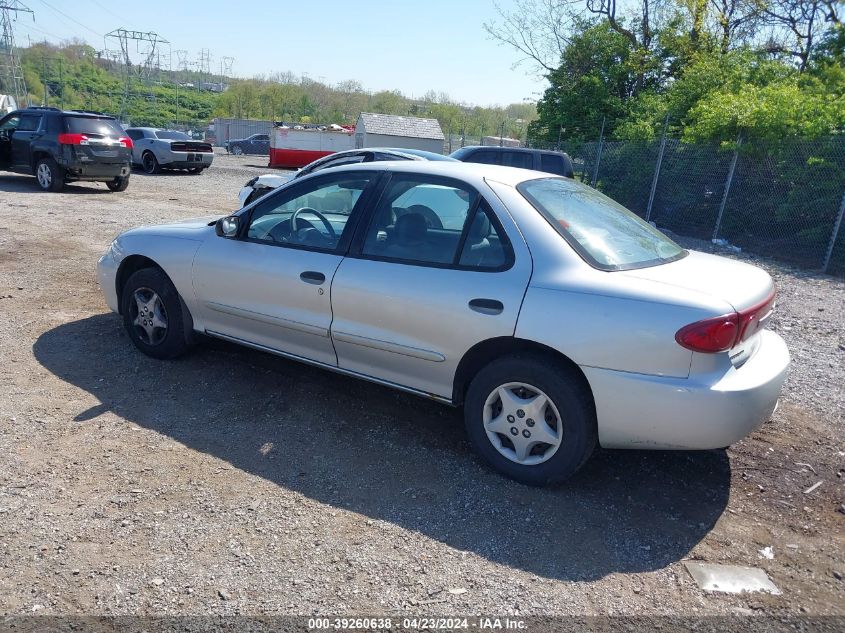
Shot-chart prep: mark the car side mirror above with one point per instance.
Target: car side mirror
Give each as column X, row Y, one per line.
column 228, row 226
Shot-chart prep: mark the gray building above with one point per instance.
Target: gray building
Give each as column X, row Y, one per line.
column 230, row 129
column 390, row 130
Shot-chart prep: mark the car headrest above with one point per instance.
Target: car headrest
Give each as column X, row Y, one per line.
column 410, row 227
column 480, row 227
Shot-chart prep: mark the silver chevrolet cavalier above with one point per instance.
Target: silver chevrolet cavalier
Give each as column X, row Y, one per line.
column 557, row 318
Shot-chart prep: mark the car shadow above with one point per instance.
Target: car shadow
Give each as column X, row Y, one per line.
column 394, row 457
column 21, row 183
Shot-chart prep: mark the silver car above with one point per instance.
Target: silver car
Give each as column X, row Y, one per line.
column 155, row 149
column 554, row 316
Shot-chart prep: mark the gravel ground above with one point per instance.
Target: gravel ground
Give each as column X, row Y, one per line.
column 236, row 482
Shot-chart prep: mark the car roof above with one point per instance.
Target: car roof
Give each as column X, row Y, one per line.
column 79, row 113
column 525, row 150
column 449, row 169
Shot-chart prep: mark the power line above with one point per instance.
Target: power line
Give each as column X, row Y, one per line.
column 60, row 12
column 107, row 10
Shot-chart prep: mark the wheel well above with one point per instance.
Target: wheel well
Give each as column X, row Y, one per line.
column 130, row 265
column 487, row 351
column 36, row 156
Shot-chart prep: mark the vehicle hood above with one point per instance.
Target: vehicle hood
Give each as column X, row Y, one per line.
column 190, row 228
column 739, row 284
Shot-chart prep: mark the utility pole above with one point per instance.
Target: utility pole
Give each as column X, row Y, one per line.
column 11, row 73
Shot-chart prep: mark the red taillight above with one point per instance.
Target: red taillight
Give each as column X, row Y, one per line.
column 710, row 335
column 125, row 141
column 721, row 333
column 73, row 139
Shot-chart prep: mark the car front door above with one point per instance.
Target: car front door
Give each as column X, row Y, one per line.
column 28, row 130
column 435, row 269
column 270, row 286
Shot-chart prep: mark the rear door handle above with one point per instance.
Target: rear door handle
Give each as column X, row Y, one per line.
column 312, row 277
column 486, row 306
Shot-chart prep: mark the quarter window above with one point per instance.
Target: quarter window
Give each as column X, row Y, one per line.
column 314, row 216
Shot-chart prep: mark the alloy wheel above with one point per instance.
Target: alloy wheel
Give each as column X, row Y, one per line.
column 44, row 175
column 149, row 316
column 522, row 423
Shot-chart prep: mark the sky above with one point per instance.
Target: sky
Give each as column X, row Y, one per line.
column 413, row 46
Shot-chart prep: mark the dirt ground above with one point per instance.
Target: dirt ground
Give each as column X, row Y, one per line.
column 236, row 482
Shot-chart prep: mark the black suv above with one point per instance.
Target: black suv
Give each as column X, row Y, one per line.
column 60, row 146
column 537, row 159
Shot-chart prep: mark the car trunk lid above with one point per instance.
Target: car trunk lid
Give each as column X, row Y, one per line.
column 741, row 285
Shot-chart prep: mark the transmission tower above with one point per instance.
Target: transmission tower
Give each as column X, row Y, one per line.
column 11, row 74
column 226, row 64
column 203, row 66
column 146, row 48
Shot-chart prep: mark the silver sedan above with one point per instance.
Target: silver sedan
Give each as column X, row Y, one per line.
column 558, row 319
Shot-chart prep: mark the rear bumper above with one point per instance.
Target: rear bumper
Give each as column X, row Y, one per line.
column 96, row 171
column 701, row 412
column 187, row 160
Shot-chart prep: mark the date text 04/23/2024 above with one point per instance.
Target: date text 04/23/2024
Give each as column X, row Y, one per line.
column 413, row 623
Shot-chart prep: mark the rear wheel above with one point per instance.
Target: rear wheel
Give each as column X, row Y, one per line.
column 531, row 419
column 118, row 184
column 152, row 314
column 150, row 163
column 49, row 175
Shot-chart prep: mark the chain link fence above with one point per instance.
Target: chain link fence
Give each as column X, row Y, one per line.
column 783, row 199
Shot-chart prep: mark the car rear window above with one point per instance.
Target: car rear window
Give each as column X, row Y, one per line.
column 92, row 125
column 552, row 164
column 172, row 134
column 606, row 234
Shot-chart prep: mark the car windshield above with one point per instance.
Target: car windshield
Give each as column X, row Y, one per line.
column 606, row 234
column 171, row 134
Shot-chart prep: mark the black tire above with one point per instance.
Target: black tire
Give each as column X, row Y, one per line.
column 118, row 184
column 237, row 150
column 53, row 177
column 571, row 396
column 149, row 163
column 195, row 170
column 173, row 342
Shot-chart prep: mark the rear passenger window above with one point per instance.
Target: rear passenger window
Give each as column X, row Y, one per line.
column 29, row 123
column 552, row 164
column 419, row 221
column 437, row 223
column 523, row 160
column 485, row 158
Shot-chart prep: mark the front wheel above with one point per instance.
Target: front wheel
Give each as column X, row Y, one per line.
column 152, row 314
column 531, row 419
column 237, row 150
column 118, row 184
column 49, row 175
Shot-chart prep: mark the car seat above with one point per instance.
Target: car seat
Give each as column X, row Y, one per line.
column 408, row 240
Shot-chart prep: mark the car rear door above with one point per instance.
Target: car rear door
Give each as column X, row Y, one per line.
column 270, row 286
column 435, row 269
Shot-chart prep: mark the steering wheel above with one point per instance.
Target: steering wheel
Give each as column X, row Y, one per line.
column 320, row 216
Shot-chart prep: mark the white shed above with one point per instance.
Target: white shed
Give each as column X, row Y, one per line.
column 390, row 130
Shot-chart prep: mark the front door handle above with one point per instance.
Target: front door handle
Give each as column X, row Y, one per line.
column 486, row 306
column 312, row 277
